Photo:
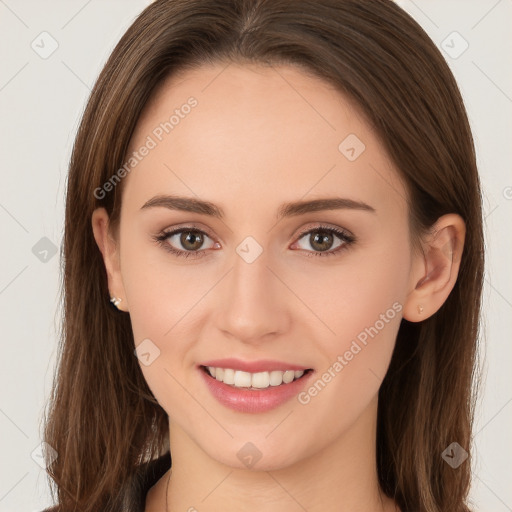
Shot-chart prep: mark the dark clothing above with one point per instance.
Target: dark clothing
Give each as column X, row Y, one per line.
column 143, row 480
column 138, row 486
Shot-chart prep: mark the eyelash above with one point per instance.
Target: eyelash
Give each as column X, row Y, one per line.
column 345, row 237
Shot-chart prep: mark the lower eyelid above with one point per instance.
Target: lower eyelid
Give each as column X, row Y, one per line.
column 164, row 239
column 345, row 238
column 330, row 252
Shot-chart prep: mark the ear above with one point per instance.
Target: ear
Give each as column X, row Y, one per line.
column 435, row 269
column 110, row 251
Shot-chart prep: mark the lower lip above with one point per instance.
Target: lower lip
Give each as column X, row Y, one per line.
column 253, row 401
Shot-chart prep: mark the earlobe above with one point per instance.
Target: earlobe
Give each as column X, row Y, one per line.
column 109, row 249
column 435, row 271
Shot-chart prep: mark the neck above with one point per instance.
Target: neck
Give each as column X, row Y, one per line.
column 341, row 477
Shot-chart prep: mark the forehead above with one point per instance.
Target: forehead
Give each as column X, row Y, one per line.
column 225, row 131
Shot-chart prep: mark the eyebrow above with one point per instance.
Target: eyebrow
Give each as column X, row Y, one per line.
column 191, row 204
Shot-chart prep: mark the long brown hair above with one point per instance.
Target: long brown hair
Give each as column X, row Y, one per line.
column 103, row 420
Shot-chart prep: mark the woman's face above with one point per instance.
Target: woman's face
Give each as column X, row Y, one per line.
column 265, row 278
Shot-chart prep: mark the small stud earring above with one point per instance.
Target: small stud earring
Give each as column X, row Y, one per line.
column 115, row 301
column 420, row 309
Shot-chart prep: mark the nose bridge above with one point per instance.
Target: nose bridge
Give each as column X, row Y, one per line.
column 250, row 276
column 252, row 305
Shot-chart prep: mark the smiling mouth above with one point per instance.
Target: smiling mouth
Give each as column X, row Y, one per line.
column 254, row 381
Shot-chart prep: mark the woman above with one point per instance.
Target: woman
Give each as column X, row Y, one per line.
column 281, row 201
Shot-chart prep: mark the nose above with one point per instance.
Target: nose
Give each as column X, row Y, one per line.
column 253, row 305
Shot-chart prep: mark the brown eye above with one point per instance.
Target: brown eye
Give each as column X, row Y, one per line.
column 324, row 241
column 321, row 240
column 191, row 240
column 186, row 242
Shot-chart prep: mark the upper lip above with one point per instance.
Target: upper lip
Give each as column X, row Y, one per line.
column 263, row 365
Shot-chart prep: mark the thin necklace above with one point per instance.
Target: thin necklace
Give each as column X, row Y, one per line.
column 167, row 492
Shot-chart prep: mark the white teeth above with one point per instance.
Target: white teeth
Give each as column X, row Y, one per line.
column 259, row 380
column 229, row 376
column 276, row 378
column 288, row 376
column 243, row 379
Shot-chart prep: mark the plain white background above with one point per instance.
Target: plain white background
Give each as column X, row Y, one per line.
column 41, row 101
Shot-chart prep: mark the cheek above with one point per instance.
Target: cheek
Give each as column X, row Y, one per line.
column 162, row 300
column 353, row 294
column 364, row 309
column 160, row 293
column 165, row 301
